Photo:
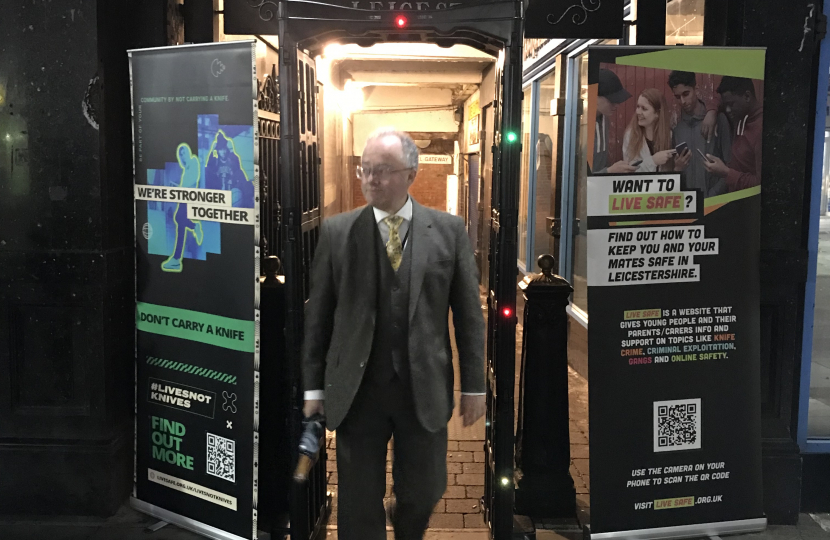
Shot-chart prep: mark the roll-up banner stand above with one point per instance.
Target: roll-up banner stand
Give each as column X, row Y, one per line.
column 197, row 286
column 673, row 244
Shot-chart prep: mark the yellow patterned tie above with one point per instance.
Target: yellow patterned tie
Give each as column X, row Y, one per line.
column 394, row 248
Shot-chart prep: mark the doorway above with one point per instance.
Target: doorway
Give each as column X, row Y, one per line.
column 311, row 168
column 432, row 94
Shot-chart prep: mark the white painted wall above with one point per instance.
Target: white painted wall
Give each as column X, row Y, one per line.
column 366, row 122
column 452, row 194
column 336, row 136
column 405, row 96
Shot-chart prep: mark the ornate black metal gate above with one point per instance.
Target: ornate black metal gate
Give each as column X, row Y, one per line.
column 300, row 226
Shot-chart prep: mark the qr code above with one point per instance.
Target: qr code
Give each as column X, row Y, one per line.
column 221, row 457
column 676, row 425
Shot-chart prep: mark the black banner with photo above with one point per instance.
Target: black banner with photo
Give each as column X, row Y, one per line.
column 673, row 206
column 197, row 289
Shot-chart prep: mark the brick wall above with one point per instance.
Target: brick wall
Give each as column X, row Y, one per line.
column 430, row 186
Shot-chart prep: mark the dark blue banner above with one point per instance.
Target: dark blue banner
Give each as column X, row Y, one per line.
column 197, row 286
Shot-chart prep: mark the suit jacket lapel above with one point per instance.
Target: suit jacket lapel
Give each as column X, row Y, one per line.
column 362, row 272
column 421, row 246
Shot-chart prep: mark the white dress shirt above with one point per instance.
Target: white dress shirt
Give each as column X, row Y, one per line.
column 403, row 231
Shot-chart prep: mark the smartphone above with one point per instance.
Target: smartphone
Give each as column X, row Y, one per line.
column 636, row 162
column 706, row 159
column 680, row 148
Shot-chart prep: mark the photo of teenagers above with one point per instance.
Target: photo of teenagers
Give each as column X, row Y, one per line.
column 705, row 127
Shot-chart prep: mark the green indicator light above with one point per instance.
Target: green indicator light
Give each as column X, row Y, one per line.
column 511, row 137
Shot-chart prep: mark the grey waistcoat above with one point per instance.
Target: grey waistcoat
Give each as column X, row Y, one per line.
column 390, row 344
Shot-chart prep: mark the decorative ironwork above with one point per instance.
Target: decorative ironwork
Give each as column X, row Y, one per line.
column 270, row 207
column 580, row 17
column 268, row 105
column 268, row 94
column 267, row 8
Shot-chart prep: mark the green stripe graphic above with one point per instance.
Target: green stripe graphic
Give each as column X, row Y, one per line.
column 717, row 61
column 188, row 368
column 223, row 332
column 734, row 196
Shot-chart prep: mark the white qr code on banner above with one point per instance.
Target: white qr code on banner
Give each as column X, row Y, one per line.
column 221, row 457
column 676, row 425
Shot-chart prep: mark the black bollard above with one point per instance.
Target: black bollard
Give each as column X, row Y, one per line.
column 545, row 489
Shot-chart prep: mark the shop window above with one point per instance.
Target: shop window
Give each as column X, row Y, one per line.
column 525, row 178
column 580, row 237
column 818, row 421
column 684, row 22
column 545, row 169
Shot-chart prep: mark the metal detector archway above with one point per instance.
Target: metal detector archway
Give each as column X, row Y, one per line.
column 304, row 28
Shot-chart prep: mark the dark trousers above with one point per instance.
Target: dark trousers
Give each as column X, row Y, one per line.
column 182, row 224
column 419, row 469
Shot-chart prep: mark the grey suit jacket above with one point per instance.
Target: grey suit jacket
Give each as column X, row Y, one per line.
column 341, row 310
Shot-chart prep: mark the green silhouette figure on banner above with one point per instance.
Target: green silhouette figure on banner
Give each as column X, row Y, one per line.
column 191, row 172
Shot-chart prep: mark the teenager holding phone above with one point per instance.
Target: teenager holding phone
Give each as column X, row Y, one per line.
column 743, row 168
column 688, row 131
column 610, row 94
column 648, row 136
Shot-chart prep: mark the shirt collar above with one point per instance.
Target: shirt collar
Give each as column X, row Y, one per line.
column 405, row 212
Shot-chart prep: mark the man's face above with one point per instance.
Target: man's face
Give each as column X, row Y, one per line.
column 736, row 105
column 687, row 96
column 184, row 153
column 386, row 179
column 605, row 107
column 223, row 152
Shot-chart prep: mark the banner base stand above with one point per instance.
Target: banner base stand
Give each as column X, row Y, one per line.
column 696, row 530
column 187, row 523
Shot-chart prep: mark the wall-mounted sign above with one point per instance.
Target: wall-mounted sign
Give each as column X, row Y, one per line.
column 434, row 159
column 395, row 6
column 597, row 19
column 473, row 130
column 246, row 17
column 474, row 108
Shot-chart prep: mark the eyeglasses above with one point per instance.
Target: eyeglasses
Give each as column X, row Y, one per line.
column 377, row 172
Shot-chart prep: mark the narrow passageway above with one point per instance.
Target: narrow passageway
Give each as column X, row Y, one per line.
column 444, row 99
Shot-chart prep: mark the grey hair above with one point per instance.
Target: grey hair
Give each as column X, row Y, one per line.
column 410, row 149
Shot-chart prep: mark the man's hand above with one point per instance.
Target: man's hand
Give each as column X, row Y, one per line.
column 681, row 161
column 707, row 127
column 621, row 167
column 716, row 166
column 472, row 408
column 312, row 407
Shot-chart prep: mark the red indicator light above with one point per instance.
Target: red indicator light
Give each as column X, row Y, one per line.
column 507, row 311
column 400, row 21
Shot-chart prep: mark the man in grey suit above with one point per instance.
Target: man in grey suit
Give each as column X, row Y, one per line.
column 377, row 344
